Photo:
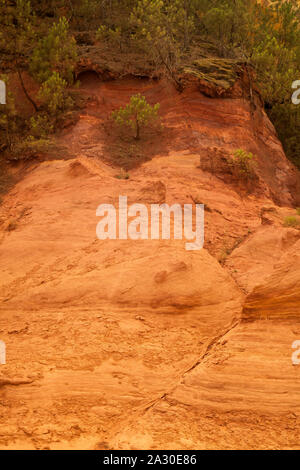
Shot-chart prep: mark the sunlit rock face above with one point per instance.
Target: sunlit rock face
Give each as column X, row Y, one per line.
column 133, row 344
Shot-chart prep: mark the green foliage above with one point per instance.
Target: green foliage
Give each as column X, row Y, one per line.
column 85, row 13
column 136, row 114
column 160, row 21
column 292, row 222
column 40, row 127
column 267, row 35
column 32, row 147
column 7, row 119
column 114, row 36
column 264, row 34
column 37, row 140
column 167, row 36
column 286, row 117
column 17, row 36
column 298, row 210
column 276, row 58
column 276, row 67
column 55, row 99
column 227, row 21
column 163, row 29
column 54, row 96
column 243, row 163
column 16, row 28
column 51, row 61
column 55, row 53
column 52, row 64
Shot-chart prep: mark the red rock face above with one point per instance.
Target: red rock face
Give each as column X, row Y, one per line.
column 279, row 295
column 141, row 344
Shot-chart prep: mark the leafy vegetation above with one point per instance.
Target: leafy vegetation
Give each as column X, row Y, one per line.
column 136, row 114
column 203, row 37
column 291, row 221
column 53, row 95
column 56, row 52
column 113, row 36
column 243, row 163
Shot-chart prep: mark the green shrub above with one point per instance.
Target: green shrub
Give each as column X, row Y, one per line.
column 40, row 126
column 114, row 36
column 291, row 221
column 56, row 52
column 37, row 141
column 243, row 163
column 53, row 94
column 136, row 114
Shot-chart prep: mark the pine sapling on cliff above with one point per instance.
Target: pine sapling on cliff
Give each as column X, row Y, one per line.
column 136, row 114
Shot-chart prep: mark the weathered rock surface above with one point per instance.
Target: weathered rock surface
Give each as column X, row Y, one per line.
column 279, row 295
column 142, row 344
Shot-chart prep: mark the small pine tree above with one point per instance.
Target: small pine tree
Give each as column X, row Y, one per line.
column 155, row 28
column 17, row 35
column 136, row 114
column 56, row 52
column 53, row 95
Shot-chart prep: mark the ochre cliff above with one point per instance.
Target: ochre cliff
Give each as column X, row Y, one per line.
column 122, row 344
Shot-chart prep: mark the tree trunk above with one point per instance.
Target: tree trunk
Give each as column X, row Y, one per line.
column 171, row 73
column 186, row 19
column 137, row 135
column 25, row 91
